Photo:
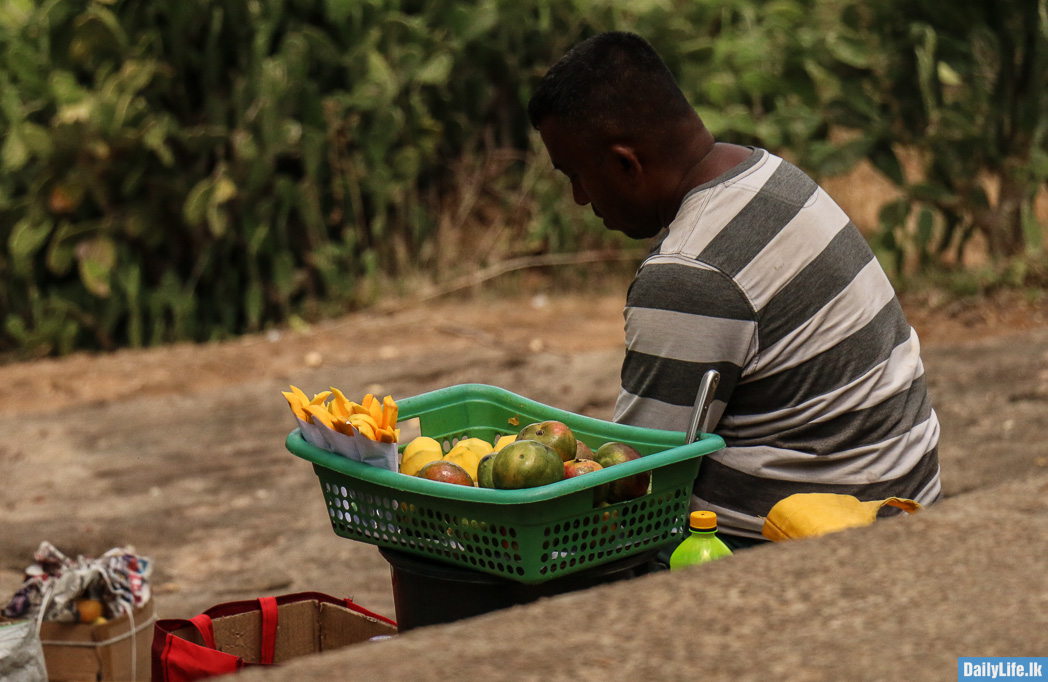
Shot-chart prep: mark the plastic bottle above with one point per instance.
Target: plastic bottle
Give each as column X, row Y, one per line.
column 702, row 543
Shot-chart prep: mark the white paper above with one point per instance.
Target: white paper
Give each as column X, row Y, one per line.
column 342, row 444
column 377, row 454
column 312, row 433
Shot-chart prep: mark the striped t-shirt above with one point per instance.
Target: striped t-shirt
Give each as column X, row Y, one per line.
column 764, row 278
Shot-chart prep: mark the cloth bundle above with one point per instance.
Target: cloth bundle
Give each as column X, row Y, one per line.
column 55, row 583
column 813, row 514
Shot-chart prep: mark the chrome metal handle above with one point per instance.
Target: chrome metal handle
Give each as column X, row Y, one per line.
column 700, row 413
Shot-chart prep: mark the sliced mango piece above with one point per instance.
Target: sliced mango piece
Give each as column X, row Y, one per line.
column 337, row 411
column 320, row 416
column 296, row 404
column 389, row 411
column 300, row 393
column 362, row 418
column 357, row 408
column 374, row 407
column 343, row 426
column 366, row 430
column 339, row 405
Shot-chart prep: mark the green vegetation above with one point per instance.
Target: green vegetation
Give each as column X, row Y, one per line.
column 200, row 169
column 964, row 91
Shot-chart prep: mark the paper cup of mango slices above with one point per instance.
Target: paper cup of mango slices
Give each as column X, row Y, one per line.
column 365, row 431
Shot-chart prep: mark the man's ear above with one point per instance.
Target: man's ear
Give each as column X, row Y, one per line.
column 626, row 157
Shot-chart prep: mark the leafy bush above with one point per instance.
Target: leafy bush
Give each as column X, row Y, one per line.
column 964, row 91
column 192, row 170
column 198, row 169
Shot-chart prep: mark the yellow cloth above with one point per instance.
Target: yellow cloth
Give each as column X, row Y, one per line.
column 812, row 514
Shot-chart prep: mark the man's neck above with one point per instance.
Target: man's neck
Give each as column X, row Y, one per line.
column 720, row 159
column 712, row 159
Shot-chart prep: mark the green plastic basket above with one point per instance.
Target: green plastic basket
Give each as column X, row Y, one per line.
column 531, row 535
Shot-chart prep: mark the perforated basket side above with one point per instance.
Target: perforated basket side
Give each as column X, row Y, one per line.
column 529, row 543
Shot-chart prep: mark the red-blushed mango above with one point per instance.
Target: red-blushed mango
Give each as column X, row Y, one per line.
column 553, row 433
column 578, row 467
column 446, row 472
column 630, row 487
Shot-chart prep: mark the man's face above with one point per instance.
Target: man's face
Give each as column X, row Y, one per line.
column 602, row 178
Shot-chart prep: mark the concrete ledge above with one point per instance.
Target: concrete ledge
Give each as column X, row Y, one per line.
column 899, row 600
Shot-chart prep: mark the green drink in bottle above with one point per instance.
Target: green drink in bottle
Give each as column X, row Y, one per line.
column 702, row 543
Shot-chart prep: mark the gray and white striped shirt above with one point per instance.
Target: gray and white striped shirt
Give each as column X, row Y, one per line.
column 764, row 278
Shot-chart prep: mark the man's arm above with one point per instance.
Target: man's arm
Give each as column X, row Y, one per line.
column 682, row 319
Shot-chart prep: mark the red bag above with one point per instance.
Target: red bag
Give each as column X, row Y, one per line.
column 187, row 650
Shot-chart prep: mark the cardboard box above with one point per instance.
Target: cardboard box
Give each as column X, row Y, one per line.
column 303, row 628
column 117, row 650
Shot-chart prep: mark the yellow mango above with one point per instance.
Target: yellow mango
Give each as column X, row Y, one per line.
column 411, row 465
column 466, row 457
column 422, row 443
column 477, row 445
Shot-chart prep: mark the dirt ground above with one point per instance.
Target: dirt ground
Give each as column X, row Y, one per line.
column 179, row 451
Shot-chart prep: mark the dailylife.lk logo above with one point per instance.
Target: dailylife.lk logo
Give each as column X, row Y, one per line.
column 1002, row 668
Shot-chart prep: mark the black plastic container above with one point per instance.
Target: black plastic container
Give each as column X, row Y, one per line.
column 429, row 592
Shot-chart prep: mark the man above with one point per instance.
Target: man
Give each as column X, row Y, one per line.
column 758, row 274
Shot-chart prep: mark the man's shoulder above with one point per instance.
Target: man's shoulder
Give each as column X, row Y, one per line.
column 677, row 283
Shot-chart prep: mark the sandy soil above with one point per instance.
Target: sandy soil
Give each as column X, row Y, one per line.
column 179, row 451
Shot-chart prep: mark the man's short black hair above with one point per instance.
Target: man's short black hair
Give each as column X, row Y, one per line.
column 614, row 84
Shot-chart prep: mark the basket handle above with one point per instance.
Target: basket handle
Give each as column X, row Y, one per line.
column 700, row 413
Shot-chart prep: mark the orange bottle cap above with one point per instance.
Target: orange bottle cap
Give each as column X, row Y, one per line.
column 703, row 520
